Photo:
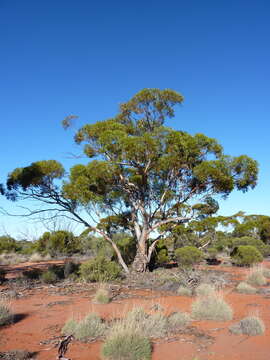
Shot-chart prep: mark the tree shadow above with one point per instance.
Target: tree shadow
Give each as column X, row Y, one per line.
column 18, row 317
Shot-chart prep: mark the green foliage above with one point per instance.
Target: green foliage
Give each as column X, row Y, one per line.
column 102, row 296
column 212, row 253
column 249, row 241
column 251, row 325
column 57, row 243
column 8, row 244
column 246, row 255
column 127, row 246
column 124, row 345
column 99, row 269
column 49, row 277
column 141, row 177
column 188, row 256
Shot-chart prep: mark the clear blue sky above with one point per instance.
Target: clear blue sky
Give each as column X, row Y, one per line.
column 85, row 57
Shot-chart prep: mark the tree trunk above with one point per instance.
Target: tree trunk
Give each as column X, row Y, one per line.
column 140, row 262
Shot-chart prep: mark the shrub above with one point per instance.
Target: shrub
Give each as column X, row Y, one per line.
column 99, row 269
column 102, row 296
column 6, row 315
column 32, row 274
column 58, row 270
column 17, row 355
column 188, row 256
column 154, row 326
column 211, row 308
column 251, row 325
column 266, row 272
column 70, row 268
column 2, row 275
column 178, row 320
column 256, row 278
column 204, row 290
column 49, row 277
column 122, row 345
column 246, row 255
column 257, row 243
column 36, row 257
column 70, row 327
column 245, row 288
column 212, row 253
column 184, row 291
column 91, row 327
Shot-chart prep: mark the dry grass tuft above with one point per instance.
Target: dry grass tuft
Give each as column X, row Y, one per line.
column 251, row 325
column 102, row 296
column 184, row 291
column 6, row 316
column 245, row 288
column 211, row 308
column 256, row 277
column 204, row 290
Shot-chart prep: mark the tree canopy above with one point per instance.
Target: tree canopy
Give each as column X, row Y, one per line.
column 143, row 177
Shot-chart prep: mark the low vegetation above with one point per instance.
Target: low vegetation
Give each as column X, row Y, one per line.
column 89, row 328
column 6, row 316
column 245, row 288
column 211, row 307
column 256, row 278
column 204, row 290
column 99, row 269
column 246, row 255
column 184, row 291
column 102, row 296
column 251, row 325
column 188, row 256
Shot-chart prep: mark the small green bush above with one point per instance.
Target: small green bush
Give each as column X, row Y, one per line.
column 178, row 321
column 99, row 269
column 102, row 296
column 49, row 277
column 123, row 345
column 70, row 327
column 245, row 288
column 6, row 315
column 251, row 325
column 257, row 243
column 211, row 308
column 256, row 278
column 188, row 255
column 184, row 291
column 212, row 253
column 246, row 255
column 204, row 290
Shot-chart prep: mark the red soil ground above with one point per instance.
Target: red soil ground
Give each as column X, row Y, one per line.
column 39, row 318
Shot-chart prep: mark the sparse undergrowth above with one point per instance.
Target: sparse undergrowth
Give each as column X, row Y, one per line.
column 251, row 325
column 211, row 308
column 184, row 291
column 6, row 316
column 256, row 278
column 204, row 290
column 91, row 327
column 245, row 288
column 17, row 355
column 102, row 296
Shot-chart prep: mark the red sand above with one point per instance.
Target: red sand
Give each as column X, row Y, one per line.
column 37, row 322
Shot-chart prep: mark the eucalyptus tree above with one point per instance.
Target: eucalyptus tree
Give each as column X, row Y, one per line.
column 142, row 177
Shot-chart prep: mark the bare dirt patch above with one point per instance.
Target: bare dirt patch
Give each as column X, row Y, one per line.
column 41, row 312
